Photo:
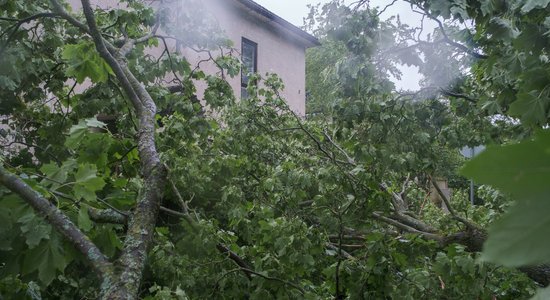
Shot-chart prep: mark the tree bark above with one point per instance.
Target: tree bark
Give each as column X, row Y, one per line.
column 141, row 225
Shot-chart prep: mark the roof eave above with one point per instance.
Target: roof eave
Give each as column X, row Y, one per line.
column 309, row 40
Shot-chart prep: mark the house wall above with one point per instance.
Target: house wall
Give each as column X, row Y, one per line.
column 279, row 51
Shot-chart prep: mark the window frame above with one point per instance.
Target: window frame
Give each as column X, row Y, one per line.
column 244, row 84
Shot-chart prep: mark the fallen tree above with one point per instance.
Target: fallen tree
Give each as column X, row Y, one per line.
column 257, row 202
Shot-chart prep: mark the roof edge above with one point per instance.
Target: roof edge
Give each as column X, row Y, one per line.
column 313, row 41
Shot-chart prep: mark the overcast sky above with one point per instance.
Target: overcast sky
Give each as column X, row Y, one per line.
column 295, row 11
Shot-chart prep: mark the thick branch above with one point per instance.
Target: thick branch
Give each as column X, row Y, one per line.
column 59, row 221
column 60, row 10
column 456, row 95
column 104, row 52
column 237, row 259
column 108, row 216
column 141, row 226
column 344, row 253
column 397, row 202
column 130, row 43
column 413, row 222
column 399, row 206
column 406, row 227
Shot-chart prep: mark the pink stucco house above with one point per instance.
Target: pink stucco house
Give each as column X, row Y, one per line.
column 264, row 41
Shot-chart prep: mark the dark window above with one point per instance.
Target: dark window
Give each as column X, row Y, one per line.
column 250, row 63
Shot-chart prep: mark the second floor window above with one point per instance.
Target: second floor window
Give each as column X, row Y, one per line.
column 250, row 61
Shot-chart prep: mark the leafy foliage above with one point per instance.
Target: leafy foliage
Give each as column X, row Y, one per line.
column 259, row 202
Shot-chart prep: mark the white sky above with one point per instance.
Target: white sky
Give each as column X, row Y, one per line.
column 295, row 11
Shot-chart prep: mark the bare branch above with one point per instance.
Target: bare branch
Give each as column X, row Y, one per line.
column 60, row 10
column 108, row 216
column 130, row 43
column 343, row 253
column 397, row 202
column 407, row 228
column 237, row 259
column 15, row 27
column 385, row 8
column 275, row 279
column 449, row 206
column 447, row 39
column 350, row 160
column 456, row 95
column 400, row 209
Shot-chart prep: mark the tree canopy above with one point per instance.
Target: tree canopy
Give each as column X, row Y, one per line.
column 117, row 182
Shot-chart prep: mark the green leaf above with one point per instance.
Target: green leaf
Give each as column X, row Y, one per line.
column 107, row 240
column 7, row 83
column 530, row 107
column 76, row 134
column 84, row 221
column 87, row 176
column 460, row 11
column 84, row 62
column 87, row 182
column 47, row 259
column 520, row 170
column 94, row 122
column 502, row 29
column 34, row 228
column 57, row 175
column 442, row 7
column 54, row 173
column 519, row 238
column 532, row 4
column 37, row 233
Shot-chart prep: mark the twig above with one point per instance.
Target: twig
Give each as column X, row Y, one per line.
column 447, row 39
column 182, row 202
column 112, row 207
column 385, row 8
column 339, row 295
column 15, row 27
column 276, row 279
column 350, row 160
column 449, row 207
